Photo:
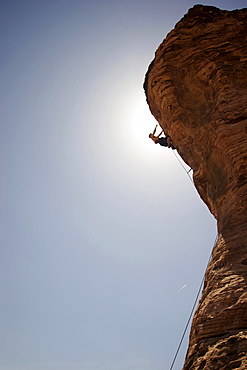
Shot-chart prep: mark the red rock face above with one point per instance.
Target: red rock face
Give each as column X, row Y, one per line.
column 196, row 88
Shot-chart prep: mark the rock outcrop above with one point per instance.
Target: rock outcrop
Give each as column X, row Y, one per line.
column 196, row 88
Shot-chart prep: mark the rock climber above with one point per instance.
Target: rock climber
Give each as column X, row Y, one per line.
column 163, row 141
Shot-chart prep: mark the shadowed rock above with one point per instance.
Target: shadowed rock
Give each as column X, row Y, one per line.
column 196, row 88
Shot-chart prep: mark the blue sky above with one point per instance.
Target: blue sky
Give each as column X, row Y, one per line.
column 100, row 228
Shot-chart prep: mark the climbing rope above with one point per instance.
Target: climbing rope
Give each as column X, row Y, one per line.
column 183, row 166
column 200, row 287
column 194, row 305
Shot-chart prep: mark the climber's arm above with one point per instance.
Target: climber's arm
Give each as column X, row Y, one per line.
column 160, row 133
column 155, row 129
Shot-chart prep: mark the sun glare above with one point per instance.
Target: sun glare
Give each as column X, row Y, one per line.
column 143, row 122
column 139, row 124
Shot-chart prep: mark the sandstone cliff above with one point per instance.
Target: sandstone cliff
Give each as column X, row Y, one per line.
column 196, row 88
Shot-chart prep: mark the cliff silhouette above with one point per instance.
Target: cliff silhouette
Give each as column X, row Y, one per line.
column 196, row 88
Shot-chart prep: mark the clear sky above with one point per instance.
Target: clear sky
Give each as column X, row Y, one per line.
column 104, row 239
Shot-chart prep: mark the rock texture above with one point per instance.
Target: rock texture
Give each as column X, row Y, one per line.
column 196, row 88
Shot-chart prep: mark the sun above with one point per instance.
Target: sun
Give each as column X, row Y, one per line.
column 139, row 123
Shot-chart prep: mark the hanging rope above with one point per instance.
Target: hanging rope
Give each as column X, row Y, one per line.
column 192, row 310
column 183, row 166
column 200, row 287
